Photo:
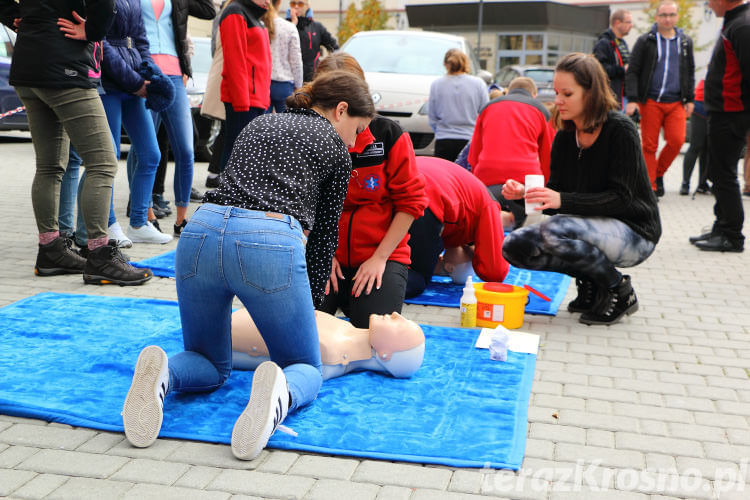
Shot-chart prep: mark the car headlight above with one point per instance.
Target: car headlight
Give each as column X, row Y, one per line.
column 423, row 109
column 195, row 100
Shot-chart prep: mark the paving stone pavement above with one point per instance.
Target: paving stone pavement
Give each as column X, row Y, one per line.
column 655, row 407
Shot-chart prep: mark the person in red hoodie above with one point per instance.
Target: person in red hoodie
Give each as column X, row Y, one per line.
column 246, row 75
column 512, row 138
column 386, row 193
column 461, row 218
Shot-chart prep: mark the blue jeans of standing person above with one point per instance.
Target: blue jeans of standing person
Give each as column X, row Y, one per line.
column 279, row 92
column 129, row 111
column 179, row 124
column 260, row 258
column 235, row 121
column 68, row 194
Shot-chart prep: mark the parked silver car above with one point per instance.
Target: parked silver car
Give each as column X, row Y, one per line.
column 542, row 76
column 400, row 66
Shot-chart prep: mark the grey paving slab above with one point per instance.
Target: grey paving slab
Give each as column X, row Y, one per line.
column 35, row 436
column 11, row 480
column 262, row 484
column 79, row 488
column 159, row 492
column 324, row 467
column 40, row 486
column 73, row 463
column 197, row 477
column 332, row 489
column 150, row 471
column 413, row 476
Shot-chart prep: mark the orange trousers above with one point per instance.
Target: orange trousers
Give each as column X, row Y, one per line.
column 655, row 115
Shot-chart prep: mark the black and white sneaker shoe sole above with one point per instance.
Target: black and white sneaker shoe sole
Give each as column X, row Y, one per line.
column 264, row 412
column 142, row 412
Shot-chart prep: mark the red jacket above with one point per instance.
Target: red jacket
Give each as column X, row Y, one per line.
column 511, row 139
column 246, row 76
column 384, row 181
column 468, row 213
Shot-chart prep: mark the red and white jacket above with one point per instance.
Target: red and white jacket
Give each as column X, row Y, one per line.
column 511, row 139
column 384, row 181
column 246, row 75
column 468, row 213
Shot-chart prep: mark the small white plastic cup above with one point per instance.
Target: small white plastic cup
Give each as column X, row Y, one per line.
column 532, row 181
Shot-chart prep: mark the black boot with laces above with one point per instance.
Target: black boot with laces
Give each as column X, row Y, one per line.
column 106, row 265
column 58, row 257
column 612, row 304
column 586, row 296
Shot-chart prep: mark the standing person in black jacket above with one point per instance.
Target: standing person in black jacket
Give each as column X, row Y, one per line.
column 660, row 83
column 611, row 50
column 312, row 35
column 727, row 100
column 55, row 70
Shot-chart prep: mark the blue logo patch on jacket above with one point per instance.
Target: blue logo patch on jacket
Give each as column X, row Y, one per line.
column 371, row 182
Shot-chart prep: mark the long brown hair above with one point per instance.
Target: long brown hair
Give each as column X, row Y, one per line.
column 268, row 18
column 339, row 61
column 329, row 89
column 598, row 100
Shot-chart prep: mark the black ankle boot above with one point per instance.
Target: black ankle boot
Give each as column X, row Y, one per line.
column 107, row 265
column 660, row 186
column 586, row 297
column 58, row 257
column 612, row 304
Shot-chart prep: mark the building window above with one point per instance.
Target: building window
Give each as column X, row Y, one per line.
column 539, row 48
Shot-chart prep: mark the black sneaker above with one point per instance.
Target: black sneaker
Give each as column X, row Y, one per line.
column 106, row 265
column 685, row 189
column 212, row 182
column 660, row 186
column 178, row 228
column 58, row 257
column 161, row 205
column 196, row 195
column 703, row 189
column 586, row 297
column 612, row 304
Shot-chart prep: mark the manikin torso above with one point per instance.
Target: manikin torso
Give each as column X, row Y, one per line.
column 392, row 344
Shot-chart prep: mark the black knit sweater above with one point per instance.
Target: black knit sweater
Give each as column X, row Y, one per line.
column 608, row 179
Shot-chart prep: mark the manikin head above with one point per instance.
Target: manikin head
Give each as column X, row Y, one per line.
column 398, row 344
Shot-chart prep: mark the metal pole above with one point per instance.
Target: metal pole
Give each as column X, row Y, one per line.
column 479, row 28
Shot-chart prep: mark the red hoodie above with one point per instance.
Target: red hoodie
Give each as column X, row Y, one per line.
column 246, row 77
column 384, row 181
column 468, row 213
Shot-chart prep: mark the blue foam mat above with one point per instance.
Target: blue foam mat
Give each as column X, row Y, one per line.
column 443, row 292
column 69, row 358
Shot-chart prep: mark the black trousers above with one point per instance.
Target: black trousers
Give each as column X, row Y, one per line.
column 426, row 247
column 448, row 149
column 698, row 150
column 727, row 133
column 389, row 298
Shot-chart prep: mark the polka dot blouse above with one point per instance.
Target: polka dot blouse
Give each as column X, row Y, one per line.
column 292, row 163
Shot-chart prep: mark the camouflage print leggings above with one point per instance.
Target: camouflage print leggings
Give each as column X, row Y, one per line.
column 582, row 247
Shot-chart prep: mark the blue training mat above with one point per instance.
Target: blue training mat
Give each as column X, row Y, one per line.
column 70, row 358
column 443, row 292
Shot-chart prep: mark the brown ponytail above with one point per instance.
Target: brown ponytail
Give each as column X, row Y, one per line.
column 329, row 89
column 268, row 18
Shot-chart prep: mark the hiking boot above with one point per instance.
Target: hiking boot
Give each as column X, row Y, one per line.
column 58, row 257
column 660, row 186
column 586, row 297
column 267, row 408
column 612, row 304
column 142, row 412
column 106, row 265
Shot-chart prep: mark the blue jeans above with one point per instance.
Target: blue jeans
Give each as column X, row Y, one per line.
column 279, row 92
column 68, row 194
column 129, row 111
column 179, row 123
column 259, row 257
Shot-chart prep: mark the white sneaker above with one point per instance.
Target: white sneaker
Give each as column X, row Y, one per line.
column 116, row 233
column 147, row 233
column 267, row 408
column 142, row 412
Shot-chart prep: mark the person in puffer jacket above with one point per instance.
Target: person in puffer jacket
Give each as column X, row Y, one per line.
column 386, row 193
column 124, row 98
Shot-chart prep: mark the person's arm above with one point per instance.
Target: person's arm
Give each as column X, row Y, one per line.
column 118, row 70
column 202, row 9
column 327, row 40
column 635, row 64
column 99, row 17
column 603, row 53
column 544, row 142
column 295, row 58
column 741, row 45
column 9, row 12
column 235, row 75
column 488, row 261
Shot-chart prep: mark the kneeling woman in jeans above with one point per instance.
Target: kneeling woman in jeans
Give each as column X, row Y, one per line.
column 267, row 236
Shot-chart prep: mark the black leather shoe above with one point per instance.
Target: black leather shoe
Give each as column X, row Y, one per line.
column 719, row 243
column 700, row 237
column 660, row 186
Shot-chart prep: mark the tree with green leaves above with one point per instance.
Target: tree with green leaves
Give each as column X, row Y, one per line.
column 372, row 16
